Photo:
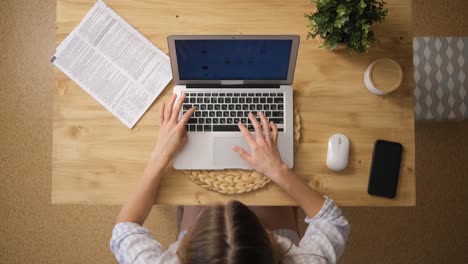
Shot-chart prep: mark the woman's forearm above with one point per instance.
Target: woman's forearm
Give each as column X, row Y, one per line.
column 310, row 200
column 141, row 200
column 172, row 137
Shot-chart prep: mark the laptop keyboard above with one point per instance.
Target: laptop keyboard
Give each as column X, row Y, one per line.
column 221, row 112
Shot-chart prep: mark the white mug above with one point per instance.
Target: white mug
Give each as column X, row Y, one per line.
column 383, row 76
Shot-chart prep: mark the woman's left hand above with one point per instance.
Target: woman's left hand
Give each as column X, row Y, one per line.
column 172, row 132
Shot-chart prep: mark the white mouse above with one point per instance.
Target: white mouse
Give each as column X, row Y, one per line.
column 338, row 152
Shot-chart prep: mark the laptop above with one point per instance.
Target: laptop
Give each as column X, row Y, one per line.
column 225, row 77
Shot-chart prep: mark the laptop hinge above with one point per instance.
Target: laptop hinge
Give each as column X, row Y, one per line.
column 212, row 85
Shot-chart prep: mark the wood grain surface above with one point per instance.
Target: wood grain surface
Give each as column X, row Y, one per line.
column 97, row 160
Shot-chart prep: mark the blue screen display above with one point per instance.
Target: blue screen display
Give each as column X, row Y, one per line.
column 233, row 59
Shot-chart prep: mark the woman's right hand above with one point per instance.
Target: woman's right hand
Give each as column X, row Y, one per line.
column 264, row 155
column 265, row 158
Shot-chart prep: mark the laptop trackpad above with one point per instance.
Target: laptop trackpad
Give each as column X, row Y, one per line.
column 225, row 157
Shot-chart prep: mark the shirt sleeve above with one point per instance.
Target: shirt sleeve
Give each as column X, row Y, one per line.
column 133, row 243
column 327, row 233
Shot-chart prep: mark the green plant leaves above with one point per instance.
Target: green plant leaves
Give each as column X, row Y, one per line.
column 361, row 7
column 345, row 22
column 341, row 17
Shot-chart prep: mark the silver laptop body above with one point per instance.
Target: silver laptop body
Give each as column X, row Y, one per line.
column 226, row 77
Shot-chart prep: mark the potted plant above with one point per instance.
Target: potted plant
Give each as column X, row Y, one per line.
column 345, row 23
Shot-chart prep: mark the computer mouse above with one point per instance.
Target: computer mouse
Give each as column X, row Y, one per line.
column 338, row 152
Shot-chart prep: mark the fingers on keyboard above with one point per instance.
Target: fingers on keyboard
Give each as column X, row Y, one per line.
column 221, row 112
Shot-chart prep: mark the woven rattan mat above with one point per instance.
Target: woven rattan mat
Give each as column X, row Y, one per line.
column 237, row 181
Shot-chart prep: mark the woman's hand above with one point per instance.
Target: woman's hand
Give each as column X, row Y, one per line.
column 172, row 136
column 264, row 155
column 172, row 132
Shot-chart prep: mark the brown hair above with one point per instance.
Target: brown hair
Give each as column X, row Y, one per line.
column 229, row 234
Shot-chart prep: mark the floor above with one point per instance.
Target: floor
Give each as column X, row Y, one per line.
column 34, row 231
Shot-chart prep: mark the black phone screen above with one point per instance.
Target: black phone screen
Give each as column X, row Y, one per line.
column 385, row 168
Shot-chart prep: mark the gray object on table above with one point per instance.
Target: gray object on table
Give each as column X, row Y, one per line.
column 440, row 70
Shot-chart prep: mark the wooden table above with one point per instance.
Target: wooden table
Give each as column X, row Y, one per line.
column 97, row 160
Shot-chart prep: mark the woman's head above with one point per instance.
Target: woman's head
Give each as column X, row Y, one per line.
column 228, row 234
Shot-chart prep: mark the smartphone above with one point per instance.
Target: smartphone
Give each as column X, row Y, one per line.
column 385, row 168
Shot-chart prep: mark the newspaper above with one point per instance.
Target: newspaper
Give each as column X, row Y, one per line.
column 114, row 63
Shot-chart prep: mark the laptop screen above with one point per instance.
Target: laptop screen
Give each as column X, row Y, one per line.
column 229, row 59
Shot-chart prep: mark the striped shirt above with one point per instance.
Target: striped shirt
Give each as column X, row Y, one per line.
column 323, row 242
